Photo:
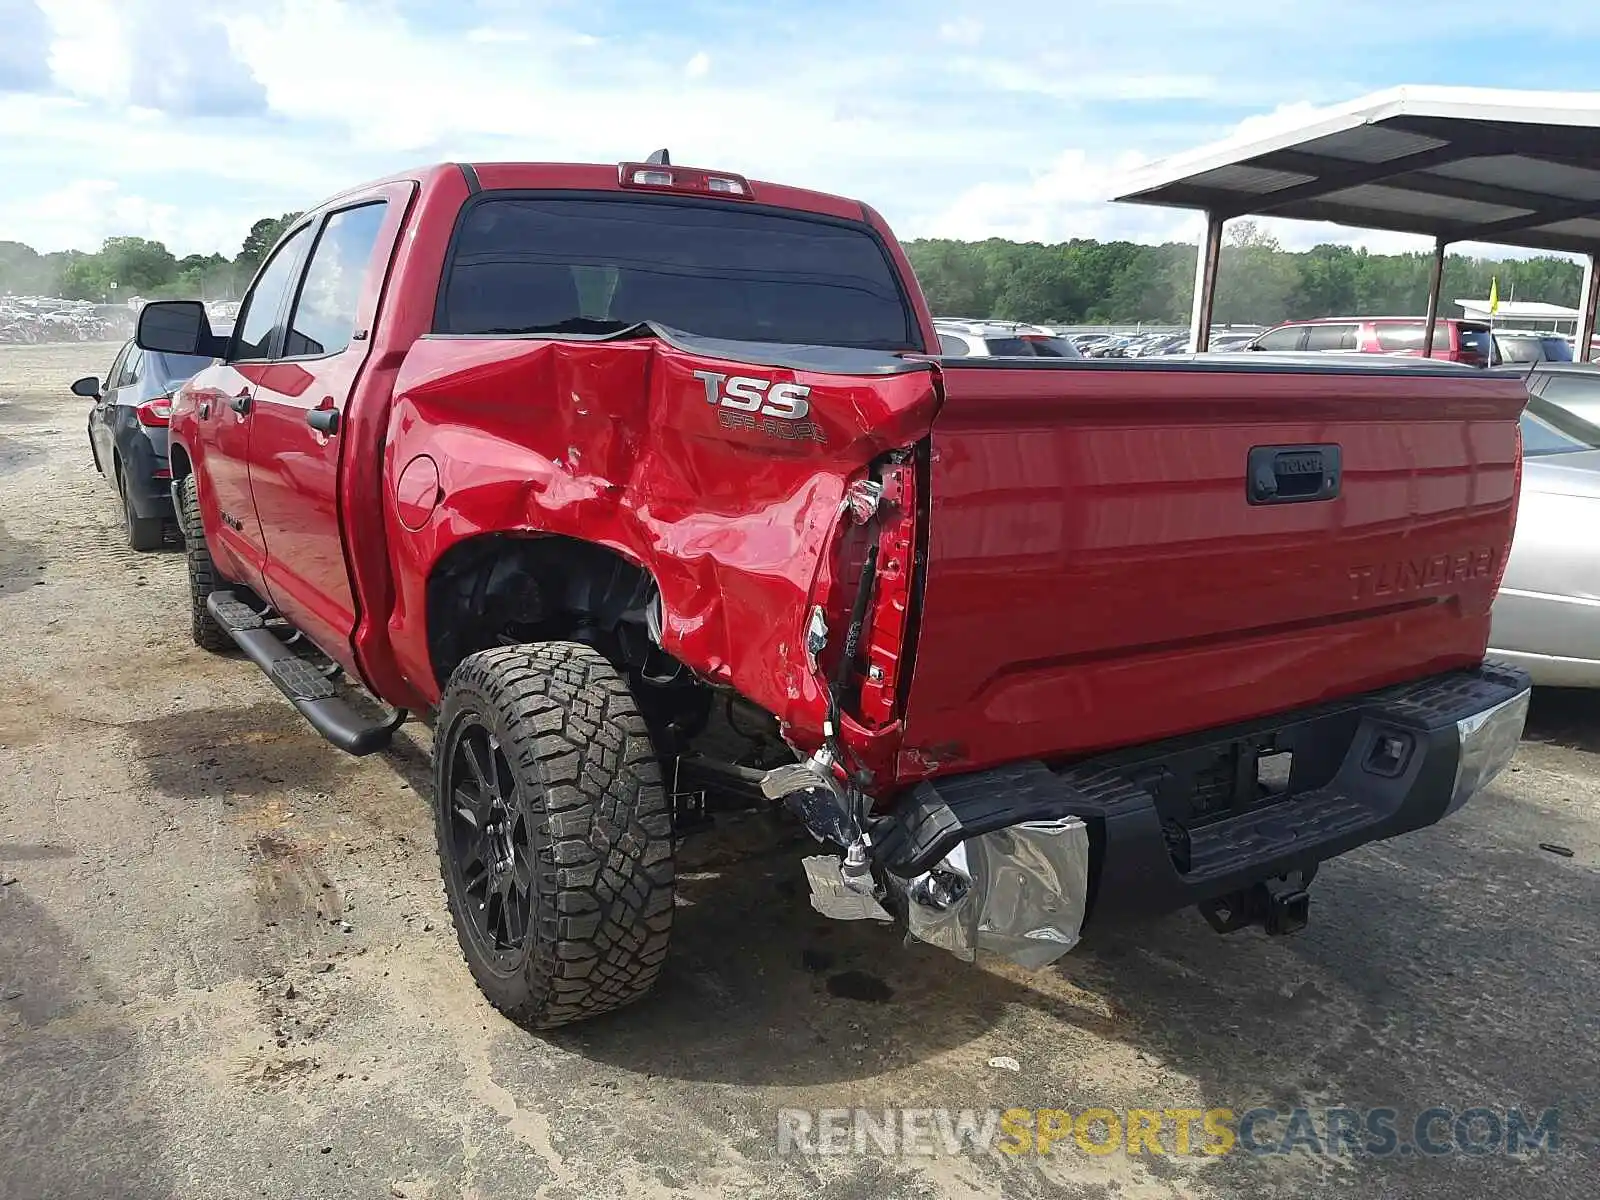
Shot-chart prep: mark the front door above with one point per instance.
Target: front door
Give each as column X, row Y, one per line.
column 224, row 398
column 297, row 410
column 102, row 416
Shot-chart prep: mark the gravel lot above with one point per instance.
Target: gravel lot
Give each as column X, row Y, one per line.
column 226, row 968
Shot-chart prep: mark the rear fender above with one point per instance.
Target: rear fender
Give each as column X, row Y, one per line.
column 722, row 478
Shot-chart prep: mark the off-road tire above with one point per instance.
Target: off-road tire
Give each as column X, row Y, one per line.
column 144, row 533
column 203, row 576
column 587, row 783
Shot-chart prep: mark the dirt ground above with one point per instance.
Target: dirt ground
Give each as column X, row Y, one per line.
column 226, row 968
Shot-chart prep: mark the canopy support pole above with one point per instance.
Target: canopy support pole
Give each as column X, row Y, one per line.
column 1435, row 286
column 1588, row 301
column 1205, row 284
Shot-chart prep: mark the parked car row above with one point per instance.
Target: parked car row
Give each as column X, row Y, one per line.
column 1472, row 342
column 31, row 320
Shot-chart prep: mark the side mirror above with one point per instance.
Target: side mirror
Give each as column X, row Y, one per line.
column 88, row 387
column 177, row 327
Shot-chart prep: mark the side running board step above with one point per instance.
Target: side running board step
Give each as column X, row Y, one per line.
column 308, row 689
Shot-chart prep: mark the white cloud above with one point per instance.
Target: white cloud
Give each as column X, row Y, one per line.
column 87, row 211
column 962, row 31
column 1067, row 199
column 699, row 66
column 24, row 46
column 486, row 34
column 167, row 55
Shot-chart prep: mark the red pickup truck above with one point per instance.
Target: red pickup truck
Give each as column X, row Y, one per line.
column 599, row 467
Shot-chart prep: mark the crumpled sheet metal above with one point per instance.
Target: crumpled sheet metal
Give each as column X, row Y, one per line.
column 1019, row 891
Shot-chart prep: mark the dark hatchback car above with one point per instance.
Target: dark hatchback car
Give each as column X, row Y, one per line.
column 128, row 435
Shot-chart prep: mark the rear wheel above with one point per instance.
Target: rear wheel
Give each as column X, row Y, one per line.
column 144, row 533
column 555, row 838
column 203, row 576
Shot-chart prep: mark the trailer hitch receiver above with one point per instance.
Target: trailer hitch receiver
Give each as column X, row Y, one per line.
column 1278, row 906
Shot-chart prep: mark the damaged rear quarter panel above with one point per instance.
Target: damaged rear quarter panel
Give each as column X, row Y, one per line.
column 615, row 443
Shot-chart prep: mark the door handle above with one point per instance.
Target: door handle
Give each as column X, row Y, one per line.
column 1293, row 474
column 324, row 420
column 240, row 403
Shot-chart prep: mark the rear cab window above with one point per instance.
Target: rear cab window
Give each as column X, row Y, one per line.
column 540, row 263
column 1475, row 343
column 1049, row 347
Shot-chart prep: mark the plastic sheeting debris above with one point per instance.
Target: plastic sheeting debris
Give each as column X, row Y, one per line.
column 1019, row 891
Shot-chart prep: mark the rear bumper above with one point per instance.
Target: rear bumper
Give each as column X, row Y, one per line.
column 144, row 472
column 1551, row 670
column 1365, row 768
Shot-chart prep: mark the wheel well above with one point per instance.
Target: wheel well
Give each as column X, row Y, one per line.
column 178, row 462
column 499, row 589
column 511, row 589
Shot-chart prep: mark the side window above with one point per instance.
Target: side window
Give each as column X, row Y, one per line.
column 1564, row 387
column 1287, row 338
column 953, row 346
column 1331, row 337
column 259, row 315
column 131, row 367
column 115, row 372
column 325, row 313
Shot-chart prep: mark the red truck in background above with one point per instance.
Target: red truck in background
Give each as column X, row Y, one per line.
column 575, row 461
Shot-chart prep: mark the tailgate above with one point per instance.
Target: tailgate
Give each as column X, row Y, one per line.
column 1100, row 574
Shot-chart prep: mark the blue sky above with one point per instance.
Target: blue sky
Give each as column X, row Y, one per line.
column 187, row 119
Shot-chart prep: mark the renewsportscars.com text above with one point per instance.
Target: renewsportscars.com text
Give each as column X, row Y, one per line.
column 1180, row 1132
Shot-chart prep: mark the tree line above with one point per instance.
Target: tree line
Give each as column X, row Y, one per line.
column 1078, row 282
column 134, row 266
column 1085, row 282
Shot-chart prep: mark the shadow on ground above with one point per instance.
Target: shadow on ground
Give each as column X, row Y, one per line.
column 237, row 751
column 22, row 563
column 1565, row 717
column 78, row 1120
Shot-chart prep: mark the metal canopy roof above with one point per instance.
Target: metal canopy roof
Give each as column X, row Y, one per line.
column 1460, row 164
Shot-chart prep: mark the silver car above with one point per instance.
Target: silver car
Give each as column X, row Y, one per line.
column 1547, row 615
column 1000, row 339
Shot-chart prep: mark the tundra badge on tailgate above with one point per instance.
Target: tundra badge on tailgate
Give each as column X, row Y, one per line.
column 775, row 409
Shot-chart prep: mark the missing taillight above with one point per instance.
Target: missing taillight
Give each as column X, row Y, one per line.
column 884, row 643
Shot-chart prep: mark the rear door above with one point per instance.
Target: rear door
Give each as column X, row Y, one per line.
column 298, row 405
column 1121, row 555
column 224, row 395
